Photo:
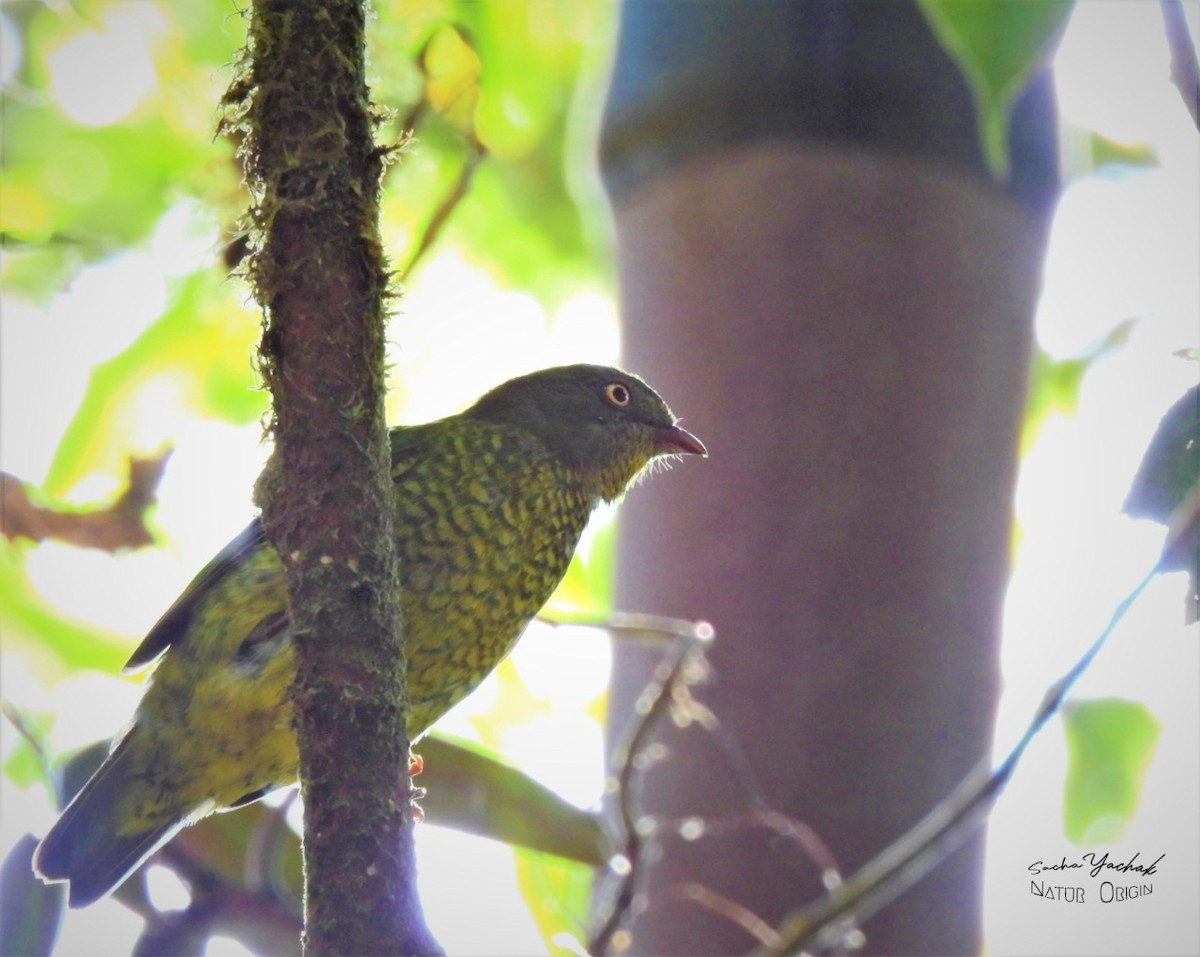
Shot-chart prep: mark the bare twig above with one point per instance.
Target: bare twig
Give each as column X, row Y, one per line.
column 476, row 153
column 119, row 525
column 658, row 630
column 1185, row 70
column 796, row 832
column 803, row 837
column 20, row 722
column 668, row 691
column 655, row 701
column 745, row 918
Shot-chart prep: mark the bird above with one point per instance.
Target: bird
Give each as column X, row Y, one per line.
column 489, row 505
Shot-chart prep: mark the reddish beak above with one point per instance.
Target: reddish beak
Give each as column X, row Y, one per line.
column 673, row 440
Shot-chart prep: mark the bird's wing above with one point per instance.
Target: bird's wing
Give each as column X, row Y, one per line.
column 173, row 625
column 408, row 443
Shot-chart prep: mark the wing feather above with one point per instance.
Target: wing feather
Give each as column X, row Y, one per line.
column 407, row 443
column 172, row 627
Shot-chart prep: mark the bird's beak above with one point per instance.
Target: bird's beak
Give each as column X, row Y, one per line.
column 673, row 440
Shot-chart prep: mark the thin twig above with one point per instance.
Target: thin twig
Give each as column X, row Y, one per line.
column 109, row 528
column 803, row 837
column 476, row 154
column 1185, row 70
column 20, row 722
column 731, row 910
column 655, row 701
column 658, row 630
column 681, row 636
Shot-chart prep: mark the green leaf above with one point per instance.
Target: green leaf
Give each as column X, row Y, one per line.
column 30, row 911
column 24, row 766
column 530, row 65
column 1106, row 152
column 1054, row 383
column 1109, row 746
column 38, row 272
column 1084, row 152
column 28, row 763
column 473, row 792
column 25, row 619
column 452, row 77
column 201, row 343
column 522, row 214
column 999, row 45
column 558, row 894
column 101, row 187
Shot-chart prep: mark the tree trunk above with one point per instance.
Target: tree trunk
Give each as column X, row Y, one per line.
column 817, row 268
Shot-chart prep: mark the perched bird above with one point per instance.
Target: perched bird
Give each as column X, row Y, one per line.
column 489, row 506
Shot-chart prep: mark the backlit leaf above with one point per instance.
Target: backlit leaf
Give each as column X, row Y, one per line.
column 473, row 792
column 1110, row 743
column 999, row 45
column 558, row 893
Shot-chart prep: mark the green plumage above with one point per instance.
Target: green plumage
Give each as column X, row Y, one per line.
column 489, row 507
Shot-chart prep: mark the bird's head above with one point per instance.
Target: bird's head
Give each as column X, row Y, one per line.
column 606, row 424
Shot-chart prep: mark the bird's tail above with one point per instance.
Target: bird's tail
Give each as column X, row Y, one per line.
column 92, row 844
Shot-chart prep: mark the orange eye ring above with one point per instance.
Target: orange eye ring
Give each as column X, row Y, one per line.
column 617, row 394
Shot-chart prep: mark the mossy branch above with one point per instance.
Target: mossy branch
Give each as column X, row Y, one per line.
column 319, row 273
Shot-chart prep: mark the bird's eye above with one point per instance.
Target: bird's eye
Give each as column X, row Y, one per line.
column 617, row 393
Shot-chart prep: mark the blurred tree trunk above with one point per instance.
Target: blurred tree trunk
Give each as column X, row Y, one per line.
column 821, row 273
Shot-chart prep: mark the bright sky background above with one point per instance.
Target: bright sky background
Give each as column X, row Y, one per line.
column 1123, row 247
